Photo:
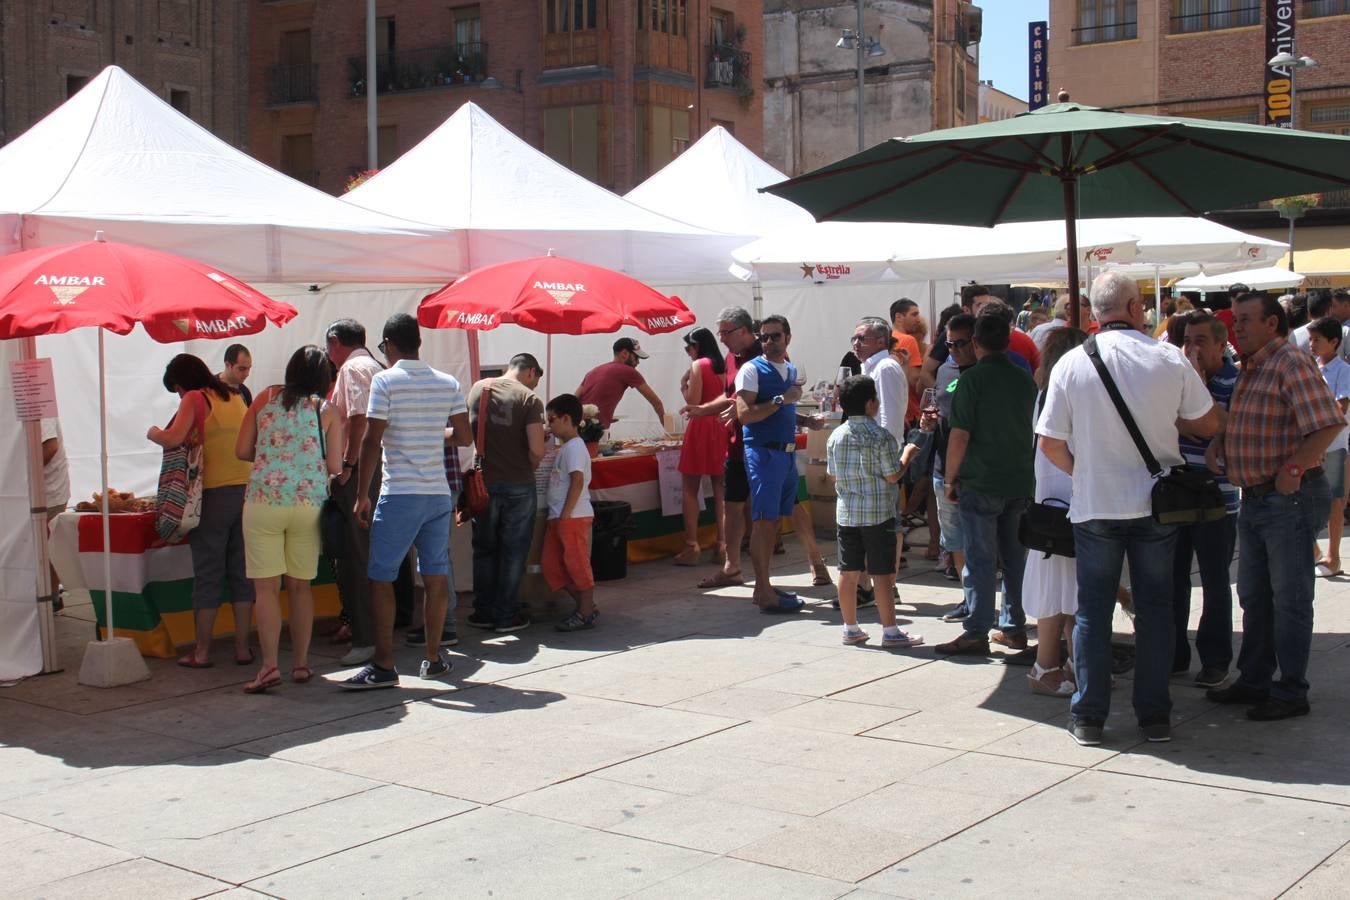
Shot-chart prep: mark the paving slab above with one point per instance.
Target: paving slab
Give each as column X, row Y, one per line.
column 1328, row 880
column 590, row 801
column 133, row 879
column 489, row 853
column 42, row 858
column 703, row 823
column 735, row 879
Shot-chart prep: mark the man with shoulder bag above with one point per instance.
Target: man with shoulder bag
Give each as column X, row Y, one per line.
column 1091, row 434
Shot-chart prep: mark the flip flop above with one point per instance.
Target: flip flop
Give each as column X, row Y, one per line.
column 1325, row 571
column 722, row 579
column 260, row 684
column 190, row 662
column 787, row 595
column 783, row 607
column 299, row 678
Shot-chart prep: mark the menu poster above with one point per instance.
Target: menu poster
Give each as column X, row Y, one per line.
column 671, row 484
column 34, row 389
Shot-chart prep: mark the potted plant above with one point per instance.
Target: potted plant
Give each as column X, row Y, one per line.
column 590, row 430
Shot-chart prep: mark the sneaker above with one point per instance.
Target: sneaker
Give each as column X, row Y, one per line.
column 357, row 655
column 864, row 600
column 479, row 620
column 1156, row 732
column 417, row 637
column 575, row 622
column 852, row 638
column 1237, row 694
column 1210, row 677
column 951, row 574
column 958, row 613
column 430, row 670
column 371, row 677
column 1085, row 733
column 1275, row 709
column 901, row 639
column 520, row 622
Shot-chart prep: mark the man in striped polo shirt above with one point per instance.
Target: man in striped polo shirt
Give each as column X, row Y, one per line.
column 1211, row 544
column 409, row 405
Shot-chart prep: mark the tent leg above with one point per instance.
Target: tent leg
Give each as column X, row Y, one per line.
column 757, row 296
column 37, row 514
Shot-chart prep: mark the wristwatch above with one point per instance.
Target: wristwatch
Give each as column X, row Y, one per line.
column 778, row 400
column 1296, row 471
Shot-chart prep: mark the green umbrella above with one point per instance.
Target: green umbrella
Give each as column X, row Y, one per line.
column 1070, row 160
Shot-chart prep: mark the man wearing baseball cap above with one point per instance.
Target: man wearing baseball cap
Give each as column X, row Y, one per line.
column 605, row 384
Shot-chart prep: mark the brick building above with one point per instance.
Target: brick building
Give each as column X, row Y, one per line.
column 996, row 105
column 921, row 67
column 189, row 52
column 612, row 89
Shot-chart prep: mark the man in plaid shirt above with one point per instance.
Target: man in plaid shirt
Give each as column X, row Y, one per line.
column 1281, row 420
column 866, row 462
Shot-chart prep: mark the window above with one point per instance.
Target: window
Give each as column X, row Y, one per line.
column 665, row 16
column 1314, row 8
column 572, row 137
column 960, row 89
column 569, row 15
column 297, row 157
column 384, row 36
column 74, row 83
column 386, row 145
column 181, row 101
column 720, row 23
column 1106, row 20
column 1332, row 117
column 467, row 22
column 295, row 48
column 1247, row 115
column 1213, row 15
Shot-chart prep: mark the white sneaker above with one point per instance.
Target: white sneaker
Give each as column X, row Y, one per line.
column 358, row 655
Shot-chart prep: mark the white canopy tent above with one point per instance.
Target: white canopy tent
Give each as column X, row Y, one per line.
column 1264, row 279
column 118, row 159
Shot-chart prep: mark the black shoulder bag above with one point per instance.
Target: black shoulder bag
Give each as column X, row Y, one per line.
column 1183, row 496
column 1045, row 527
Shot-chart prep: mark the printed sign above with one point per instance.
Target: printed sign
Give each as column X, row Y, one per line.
column 34, row 389
column 1038, row 55
column 1279, row 98
column 671, row 484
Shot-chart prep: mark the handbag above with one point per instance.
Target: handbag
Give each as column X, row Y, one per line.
column 1046, row 528
column 178, row 501
column 473, row 497
column 1183, row 496
column 332, row 523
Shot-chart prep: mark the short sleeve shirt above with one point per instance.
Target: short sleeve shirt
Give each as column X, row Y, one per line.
column 993, row 401
column 351, row 391
column 910, row 345
column 893, row 393
column 512, row 407
column 1193, row 449
column 605, row 385
column 415, row 400
column 1337, row 376
column 571, row 457
column 56, row 473
column 860, row 454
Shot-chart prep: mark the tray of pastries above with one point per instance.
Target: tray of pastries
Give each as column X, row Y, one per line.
column 118, row 502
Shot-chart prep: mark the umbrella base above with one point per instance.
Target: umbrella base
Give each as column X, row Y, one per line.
column 112, row 663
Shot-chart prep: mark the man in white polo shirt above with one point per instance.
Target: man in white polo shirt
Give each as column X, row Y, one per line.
column 405, row 424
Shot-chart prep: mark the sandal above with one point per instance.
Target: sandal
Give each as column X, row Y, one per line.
column 723, row 579
column 190, row 662
column 268, row 677
column 784, row 606
column 299, row 678
column 1049, row 682
column 246, row 662
column 821, row 573
column 688, row 556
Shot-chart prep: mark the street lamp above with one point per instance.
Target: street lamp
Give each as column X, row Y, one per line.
column 857, row 41
column 1286, row 61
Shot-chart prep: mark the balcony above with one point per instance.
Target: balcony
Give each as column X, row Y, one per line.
column 418, row 70
column 728, row 67
column 292, row 84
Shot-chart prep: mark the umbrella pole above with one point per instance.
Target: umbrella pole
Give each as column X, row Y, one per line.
column 1070, row 185
column 103, row 463
column 548, row 368
column 1157, row 296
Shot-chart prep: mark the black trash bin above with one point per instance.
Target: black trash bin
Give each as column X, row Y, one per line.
column 609, row 539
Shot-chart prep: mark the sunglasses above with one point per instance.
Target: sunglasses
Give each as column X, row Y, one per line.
column 770, row 337
column 383, row 346
column 959, row 343
column 858, row 339
column 723, row 332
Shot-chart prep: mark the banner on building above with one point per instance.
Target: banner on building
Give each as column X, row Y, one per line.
column 1038, row 48
column 1279, row 99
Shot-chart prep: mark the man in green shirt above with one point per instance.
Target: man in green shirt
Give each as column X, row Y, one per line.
column 990, row 475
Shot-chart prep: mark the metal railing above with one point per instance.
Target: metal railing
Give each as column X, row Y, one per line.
column 416, row 70
column 1216, row 20
column 292, row 84
column 728, row 66
column 1101, row 34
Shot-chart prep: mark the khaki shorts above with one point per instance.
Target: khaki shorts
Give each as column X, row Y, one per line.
column 281, row 540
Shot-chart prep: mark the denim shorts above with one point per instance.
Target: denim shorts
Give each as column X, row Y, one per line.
column 949, row 523
column 773, row 482
column 404, row 520
column 1334, row 466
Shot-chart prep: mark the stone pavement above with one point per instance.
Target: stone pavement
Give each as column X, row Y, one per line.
column 689, row 747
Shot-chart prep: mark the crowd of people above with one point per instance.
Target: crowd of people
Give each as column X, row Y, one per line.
column 1000, row 410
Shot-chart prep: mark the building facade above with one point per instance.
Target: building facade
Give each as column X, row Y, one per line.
column 189, row 52
column 921, row 71
column 996, row 105
column 612, row 90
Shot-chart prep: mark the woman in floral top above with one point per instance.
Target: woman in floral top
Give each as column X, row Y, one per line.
column 295, row 443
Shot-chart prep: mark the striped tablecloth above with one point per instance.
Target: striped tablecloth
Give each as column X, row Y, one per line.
column 151, row 580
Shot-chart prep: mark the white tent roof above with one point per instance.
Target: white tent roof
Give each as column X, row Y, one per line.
column 116, row 158
column 867, row 251
column 1177, row 247
column 513, row 201
column 715, row 184
column 1257, row 279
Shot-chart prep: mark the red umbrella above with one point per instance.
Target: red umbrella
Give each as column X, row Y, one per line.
column 552, row 295
column 52, row 290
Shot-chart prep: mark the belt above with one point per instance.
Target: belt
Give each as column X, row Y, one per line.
column 789, row 447
column 1268, row 487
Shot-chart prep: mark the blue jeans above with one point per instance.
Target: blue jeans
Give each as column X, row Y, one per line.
column 989, row 527
column 1102, row 546
column 501, row 544
column 1211, row 543
column 1275, row 587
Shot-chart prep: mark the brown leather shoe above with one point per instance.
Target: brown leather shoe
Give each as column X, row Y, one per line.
column 965, row 645
column 1015, row 641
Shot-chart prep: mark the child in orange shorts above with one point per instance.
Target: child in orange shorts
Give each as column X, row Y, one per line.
column 567, row 539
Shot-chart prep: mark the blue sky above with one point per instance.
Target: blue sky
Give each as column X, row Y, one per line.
column 1003, row 47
